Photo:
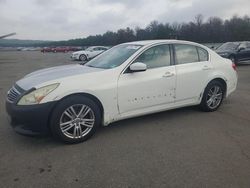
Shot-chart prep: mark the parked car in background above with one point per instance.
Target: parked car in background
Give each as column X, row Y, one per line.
column 28, row 49
column 63, row 49
column 89, row 53
column 47, row 49
column 236, row 51
column 128, row 80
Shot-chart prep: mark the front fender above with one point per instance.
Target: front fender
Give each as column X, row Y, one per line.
column 108, row 102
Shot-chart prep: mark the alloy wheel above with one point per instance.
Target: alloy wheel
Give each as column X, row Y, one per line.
column 83, row 58
column 214, row 97
column 77, row 121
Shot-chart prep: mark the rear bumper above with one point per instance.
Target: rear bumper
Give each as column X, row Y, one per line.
column 30, row 119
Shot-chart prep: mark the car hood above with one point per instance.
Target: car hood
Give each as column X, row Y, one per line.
column 38, row 77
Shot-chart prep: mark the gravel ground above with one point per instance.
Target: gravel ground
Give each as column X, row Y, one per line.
column 177, row 148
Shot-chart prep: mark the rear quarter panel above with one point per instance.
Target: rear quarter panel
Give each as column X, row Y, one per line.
column 222, row 68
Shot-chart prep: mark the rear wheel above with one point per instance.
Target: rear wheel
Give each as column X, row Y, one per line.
column 212, row 96
column 75, row 119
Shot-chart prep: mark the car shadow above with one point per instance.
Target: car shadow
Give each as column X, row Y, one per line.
column 138, row 122
column 147, row 120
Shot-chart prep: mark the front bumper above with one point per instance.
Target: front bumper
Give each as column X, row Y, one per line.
column 74, row 57
column 30, row 119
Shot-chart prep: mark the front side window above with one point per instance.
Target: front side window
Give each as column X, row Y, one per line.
column 244, row 45
column 186, row 53
column 157, row 56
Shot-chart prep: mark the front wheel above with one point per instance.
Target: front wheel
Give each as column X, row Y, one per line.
column 75, row 119
column 212, row 96
column 83, row 57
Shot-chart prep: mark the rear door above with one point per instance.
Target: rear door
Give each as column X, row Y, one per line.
column 192, row 69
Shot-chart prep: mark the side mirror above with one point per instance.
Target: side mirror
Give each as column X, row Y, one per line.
column 138, row 67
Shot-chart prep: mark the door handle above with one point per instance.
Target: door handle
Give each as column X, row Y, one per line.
column 206, row 68
column 168, row 74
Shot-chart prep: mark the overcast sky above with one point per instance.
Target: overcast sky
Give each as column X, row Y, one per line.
column 67, row 19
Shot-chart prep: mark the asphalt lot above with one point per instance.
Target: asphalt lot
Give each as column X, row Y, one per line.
column 178, row 148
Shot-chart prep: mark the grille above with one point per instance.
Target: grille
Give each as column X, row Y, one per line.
column 13, row 94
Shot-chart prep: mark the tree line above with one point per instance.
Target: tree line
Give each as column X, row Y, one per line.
column 212, row 30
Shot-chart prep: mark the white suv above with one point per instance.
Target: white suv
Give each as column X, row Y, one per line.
column 89, row 53
column 128, row 80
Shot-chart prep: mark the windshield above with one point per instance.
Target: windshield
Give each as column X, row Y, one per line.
column 228, row 46
column 114, row 57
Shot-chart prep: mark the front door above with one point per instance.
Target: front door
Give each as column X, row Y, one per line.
column 155, row 86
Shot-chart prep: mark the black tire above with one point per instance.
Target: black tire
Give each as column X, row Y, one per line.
column 83, row 57
column 204, row 105
column 59, row 113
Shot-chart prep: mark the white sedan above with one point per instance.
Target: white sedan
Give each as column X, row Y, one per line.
column 89, row 53
column 128, row 80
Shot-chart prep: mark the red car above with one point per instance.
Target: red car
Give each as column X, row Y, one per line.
column 47, row 49
column 63, row 49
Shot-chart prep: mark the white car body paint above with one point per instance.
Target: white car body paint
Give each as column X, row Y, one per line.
column 126, row 95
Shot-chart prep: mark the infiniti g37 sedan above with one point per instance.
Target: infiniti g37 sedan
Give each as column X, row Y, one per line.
column 128, row 80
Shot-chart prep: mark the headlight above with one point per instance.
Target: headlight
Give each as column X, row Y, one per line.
column 36, row 96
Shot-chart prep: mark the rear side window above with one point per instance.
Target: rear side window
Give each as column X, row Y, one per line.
column 186, row 53
column 203, row 54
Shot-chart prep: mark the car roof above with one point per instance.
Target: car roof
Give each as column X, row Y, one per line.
column 97, row 47
column 152, row 42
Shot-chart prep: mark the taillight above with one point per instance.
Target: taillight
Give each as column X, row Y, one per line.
column 234, row 66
